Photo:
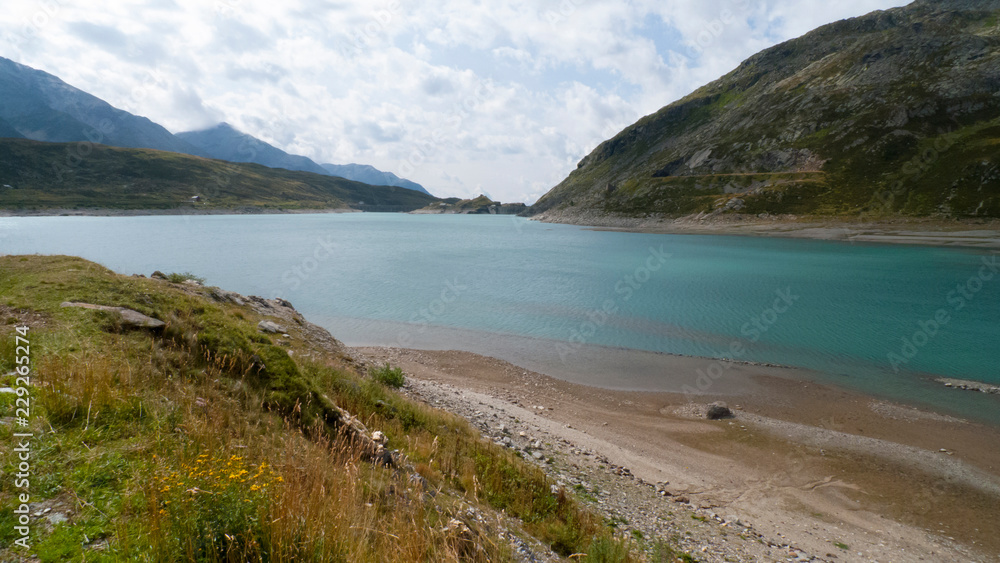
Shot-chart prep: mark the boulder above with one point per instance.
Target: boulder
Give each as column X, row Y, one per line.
column 138, row 320
column 158, row 275
column 271, row 327
column 128, row 317
column 718, row 410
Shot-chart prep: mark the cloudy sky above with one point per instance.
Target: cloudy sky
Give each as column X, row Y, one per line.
column 465, row 97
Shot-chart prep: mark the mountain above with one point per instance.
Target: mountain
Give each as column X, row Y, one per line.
column 891, row 114
column 371, row 175
column 226, row 143
column 39, row 106
column 42, row 107
column 47, row 176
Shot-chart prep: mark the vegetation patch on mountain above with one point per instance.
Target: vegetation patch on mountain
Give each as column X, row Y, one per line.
column 37, row 176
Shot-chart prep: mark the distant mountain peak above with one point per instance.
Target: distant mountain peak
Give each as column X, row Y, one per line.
column 225, row 142
column 41, row 107
column 371, row 175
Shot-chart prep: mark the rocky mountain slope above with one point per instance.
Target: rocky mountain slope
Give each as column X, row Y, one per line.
column 896, row 113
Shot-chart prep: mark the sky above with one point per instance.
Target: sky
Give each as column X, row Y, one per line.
column 464, row 97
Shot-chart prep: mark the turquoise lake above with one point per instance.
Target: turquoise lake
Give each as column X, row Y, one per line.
column 883, row 319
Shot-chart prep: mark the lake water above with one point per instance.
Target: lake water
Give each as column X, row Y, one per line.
column 565, row 299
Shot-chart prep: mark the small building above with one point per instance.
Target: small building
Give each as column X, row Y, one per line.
column 195, row 198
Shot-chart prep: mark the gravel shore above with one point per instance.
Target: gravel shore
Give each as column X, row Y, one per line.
column 763, row 485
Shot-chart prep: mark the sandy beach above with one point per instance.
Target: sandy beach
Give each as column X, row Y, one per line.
column 803, row 471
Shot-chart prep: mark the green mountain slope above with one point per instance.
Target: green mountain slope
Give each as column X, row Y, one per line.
column 83, row 175
column 896, row 113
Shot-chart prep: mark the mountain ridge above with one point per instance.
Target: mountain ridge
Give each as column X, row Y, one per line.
column 225, row 142
column 54, row 176
column 42, row 107
column 370, row 175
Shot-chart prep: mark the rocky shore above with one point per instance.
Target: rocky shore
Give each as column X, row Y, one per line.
column 751, row 485
column 971, row 233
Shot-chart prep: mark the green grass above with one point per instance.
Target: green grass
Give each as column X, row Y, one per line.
column 57, row 175
column 207, row 442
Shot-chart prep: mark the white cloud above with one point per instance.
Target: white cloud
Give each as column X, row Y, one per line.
column 461, row 96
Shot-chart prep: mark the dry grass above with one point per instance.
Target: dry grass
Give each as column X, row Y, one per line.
column 175, row 447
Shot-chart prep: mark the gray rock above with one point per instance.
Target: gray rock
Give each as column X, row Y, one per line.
column 718, row 410
column 138, row 320
column 270, row 327
column 129, row 318
column 158, row 275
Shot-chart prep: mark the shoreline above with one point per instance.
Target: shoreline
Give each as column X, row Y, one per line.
column 963, row 233
column 622, row 369
column 109, row 212
column 809, row 465
column 983, row 234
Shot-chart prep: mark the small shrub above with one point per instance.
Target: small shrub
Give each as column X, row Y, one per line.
column 389, row 376
column 181, row 278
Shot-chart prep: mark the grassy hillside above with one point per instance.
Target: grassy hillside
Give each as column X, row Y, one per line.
column 209, row 440
column 83, row 175
column 890, row 114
